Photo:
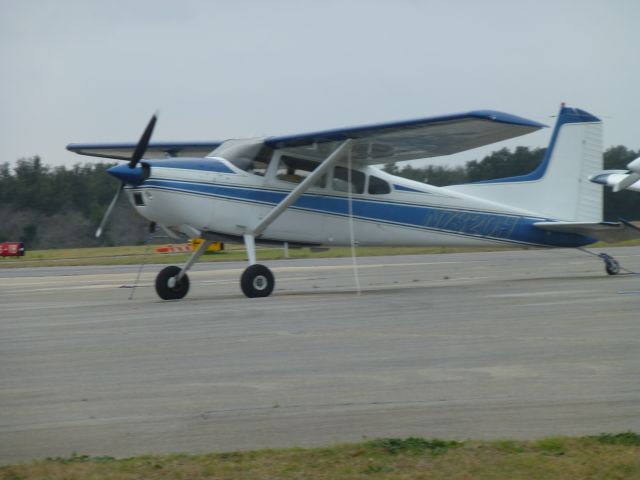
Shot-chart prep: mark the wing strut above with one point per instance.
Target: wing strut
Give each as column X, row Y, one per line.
column 290, row 199
column 297, row 192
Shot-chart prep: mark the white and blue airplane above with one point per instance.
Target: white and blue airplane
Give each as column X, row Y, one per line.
column 620, row 180
column 321, row 189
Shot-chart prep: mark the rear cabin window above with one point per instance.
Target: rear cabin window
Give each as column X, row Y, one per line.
column 340, row 182
column 377, row 186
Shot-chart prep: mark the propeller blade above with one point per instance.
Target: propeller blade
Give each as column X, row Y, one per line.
column 627, row 181
column 105, row 217
column 143, row 143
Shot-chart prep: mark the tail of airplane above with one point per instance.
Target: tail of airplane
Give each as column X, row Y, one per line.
column 559, row 187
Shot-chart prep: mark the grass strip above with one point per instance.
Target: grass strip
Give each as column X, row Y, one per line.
column 605, row 456
column 134, row 255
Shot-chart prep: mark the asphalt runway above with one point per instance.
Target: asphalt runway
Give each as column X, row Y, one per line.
column 518, row 344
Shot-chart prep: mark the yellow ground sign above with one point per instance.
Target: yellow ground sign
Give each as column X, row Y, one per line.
column 214, row 247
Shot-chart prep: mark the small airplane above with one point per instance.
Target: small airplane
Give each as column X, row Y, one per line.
column 322, row 189
column 620, row 179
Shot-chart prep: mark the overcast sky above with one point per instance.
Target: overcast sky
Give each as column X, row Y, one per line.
column 95, row 71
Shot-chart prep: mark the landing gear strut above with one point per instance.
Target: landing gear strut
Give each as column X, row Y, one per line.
column 172, row 283
column 257, row 280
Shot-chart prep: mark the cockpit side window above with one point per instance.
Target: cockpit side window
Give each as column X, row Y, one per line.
column 377, row 186
column 295, row 170
column 340, row 182
column 258, row 167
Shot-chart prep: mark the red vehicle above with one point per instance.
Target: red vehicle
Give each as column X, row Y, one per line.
column 12, row 249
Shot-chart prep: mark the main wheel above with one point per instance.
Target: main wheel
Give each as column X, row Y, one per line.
column 257, row 281
column 166, row 286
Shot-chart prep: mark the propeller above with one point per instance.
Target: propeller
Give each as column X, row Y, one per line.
column 633, row 175
column 105, row 217
column 137, row 155
column 143, row 143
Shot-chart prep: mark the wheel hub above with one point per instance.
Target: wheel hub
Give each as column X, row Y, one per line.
column 260, row 282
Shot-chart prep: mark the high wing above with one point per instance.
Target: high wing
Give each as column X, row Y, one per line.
column 410, row 139
column 605, row 231
column 371, row 144
column 123, row 151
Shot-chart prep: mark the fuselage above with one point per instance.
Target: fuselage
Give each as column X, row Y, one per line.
column 217, row 196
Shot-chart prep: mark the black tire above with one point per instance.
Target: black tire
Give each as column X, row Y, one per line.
column 163, row 289
column 612, row 267
column 257, row 281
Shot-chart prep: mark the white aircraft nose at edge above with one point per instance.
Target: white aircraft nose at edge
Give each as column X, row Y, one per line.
column 309, row 189
column 620, row 179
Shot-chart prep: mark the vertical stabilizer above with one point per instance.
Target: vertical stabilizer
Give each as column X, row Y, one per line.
column 559, row 187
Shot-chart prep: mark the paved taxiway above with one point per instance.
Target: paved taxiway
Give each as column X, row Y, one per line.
column 484, row 345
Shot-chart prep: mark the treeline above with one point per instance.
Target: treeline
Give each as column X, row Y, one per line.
column 60, row 207
column 499, row 164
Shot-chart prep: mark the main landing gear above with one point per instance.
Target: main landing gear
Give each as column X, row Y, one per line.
column 172, row 283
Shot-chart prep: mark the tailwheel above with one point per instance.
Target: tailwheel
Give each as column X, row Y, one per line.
column 257, row 281
column 611, row 265
column 167, row 287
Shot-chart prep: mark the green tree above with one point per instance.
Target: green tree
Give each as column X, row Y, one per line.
column 60, row 207
column 433, row 175
column 504, row 163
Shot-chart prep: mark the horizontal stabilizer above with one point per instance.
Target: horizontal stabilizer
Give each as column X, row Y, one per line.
column 604, row 231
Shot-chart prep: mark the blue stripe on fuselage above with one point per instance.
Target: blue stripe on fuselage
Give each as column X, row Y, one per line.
column 502, row 227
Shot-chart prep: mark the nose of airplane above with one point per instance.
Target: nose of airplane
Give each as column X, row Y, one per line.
column 130, row 176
